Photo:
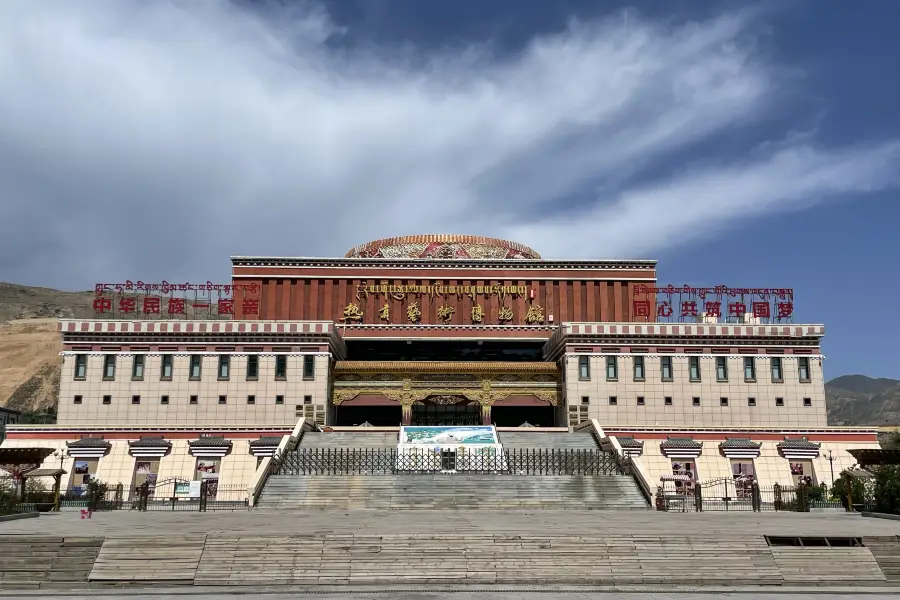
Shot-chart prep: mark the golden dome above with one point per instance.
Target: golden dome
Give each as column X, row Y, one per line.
column 446, row 246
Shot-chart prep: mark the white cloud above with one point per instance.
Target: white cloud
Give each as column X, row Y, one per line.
column 154, row 139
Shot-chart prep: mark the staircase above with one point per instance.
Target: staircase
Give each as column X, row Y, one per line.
column 539, row 440
column 349, row 439
column 436, row 492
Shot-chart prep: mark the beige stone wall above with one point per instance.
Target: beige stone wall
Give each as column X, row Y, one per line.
column 682, row 412
column 770, row 467
column 236, row 469
column 179, row 411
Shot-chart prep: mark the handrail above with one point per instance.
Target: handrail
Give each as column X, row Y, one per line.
column 268, row 464
column 638, row 471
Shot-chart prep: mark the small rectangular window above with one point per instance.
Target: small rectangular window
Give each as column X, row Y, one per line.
column 224, row 367
column 194, row 399
column 223, row 399
column 585, row 400
column 612, row 368
column 109, row 367
column 640, row 401
column 251, row 399
column 749, row 369
column 309, row 367
column 279, row 399
column 584, row 368
column 77, row 400
column 613, row 400
column 751, row 401
column 696, row 401
column 163, row 399
column 639, row 368
column 80, row 366
column 307, row 399
column 135, row 399
column 165, row 371
column 777, row 374
column 779, row 401
column 723, row 401
column 694, row 367
column 721, row 368
column 137, row 367
column 281, row 367
column 807, row 402
column 298, row 410
column 665, row 366
column 107, row 399
column 196, row 367
column 252, row 367
column 667, row 400
column 803, row 369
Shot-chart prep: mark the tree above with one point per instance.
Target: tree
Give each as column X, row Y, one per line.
column 887, row 489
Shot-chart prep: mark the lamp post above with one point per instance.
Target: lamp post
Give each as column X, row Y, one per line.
column 59, row 454
column 830, row 458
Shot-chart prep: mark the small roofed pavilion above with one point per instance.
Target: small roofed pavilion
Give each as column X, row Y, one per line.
column 870, row 457
column 21, row 462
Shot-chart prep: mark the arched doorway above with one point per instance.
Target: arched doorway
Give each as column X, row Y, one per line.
column 513, row 411
column 373, row 409
column 446, row 411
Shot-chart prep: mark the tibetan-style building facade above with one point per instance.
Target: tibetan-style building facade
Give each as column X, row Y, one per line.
column 702, row 383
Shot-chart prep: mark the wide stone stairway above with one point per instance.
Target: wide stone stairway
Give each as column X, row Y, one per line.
column 546, row 440
column 350, row 439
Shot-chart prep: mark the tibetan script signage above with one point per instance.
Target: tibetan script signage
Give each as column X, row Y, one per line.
column 399, row 292
column 717, row 304
column 208, row 300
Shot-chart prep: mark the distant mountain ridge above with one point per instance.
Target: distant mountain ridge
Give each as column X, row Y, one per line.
column 861, row 400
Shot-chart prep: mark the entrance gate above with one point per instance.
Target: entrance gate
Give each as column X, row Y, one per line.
column 455, row 411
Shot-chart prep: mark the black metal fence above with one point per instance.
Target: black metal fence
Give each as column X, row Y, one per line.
column 387, row 461
column 167, row 495
column 731, row 495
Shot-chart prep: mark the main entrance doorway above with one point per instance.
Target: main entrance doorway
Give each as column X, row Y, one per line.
column 447, row 411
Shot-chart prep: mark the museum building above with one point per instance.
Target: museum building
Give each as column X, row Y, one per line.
column 189, row 381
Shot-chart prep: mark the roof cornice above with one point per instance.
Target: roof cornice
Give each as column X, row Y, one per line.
column 437, row 263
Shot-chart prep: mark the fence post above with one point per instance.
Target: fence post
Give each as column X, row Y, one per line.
column 698, row 497
column 755, row 499
column 119, row 493
column 803, row 497
column 776, row 496
column 204, row 491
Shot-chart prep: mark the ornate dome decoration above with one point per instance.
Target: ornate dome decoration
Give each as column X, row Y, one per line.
column 445, row 247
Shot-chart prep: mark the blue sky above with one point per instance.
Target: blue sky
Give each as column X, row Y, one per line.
column 751, row 145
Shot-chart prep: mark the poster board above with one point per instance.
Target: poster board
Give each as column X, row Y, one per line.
column 476, row 448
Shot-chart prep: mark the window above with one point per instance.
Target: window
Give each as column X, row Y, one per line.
column 694, row 367
column 109, row 367
column 803, row 369
column 749, row 369
column 107, row 399
column 251, row 399
column 723, row 401
column 613, row 400
column 281, row 367
column 137, row 367
column 612, row 368
column 307, row 399
column 135, row 399
column 807, row 402
column 585, row 400
column 584, row 368
column 77, row 400
column 309, row 367
column 298, row 410
column 640, row 401
column 163, row 399
column 252, row 367
column 279, row 399
column 639, row 368
column 744, row 475
column 696, row 401
column 777, row 374
column 721, row 368
column 665, row 367
column 779, row 401
column 194, row 399
column 223, row 399
column 685, row 472
column 80, row 366
column 667, row 400
column 751, row 401
column 224, row 366
column 196, row 366
column 165, row 371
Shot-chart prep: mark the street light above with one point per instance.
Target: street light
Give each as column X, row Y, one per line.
column 830, row 458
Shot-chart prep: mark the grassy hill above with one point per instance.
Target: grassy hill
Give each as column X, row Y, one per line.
column 861, row 400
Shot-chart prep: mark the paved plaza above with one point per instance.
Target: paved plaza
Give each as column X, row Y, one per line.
column 262, row 522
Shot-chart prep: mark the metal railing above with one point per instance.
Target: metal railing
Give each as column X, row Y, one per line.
column 732, row 495
column 167, row 495
column 388, row 461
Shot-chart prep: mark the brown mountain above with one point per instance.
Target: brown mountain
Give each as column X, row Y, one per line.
column 861, row 400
